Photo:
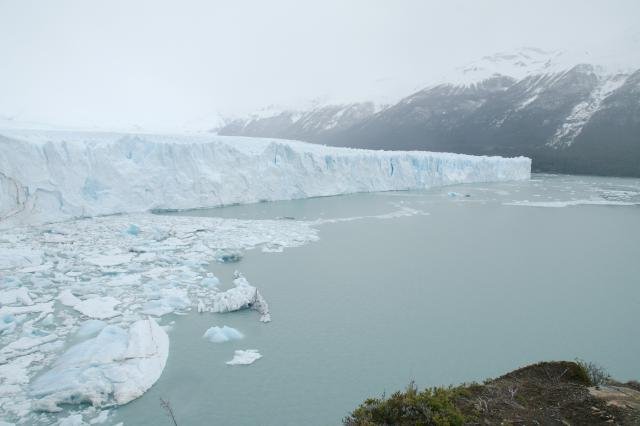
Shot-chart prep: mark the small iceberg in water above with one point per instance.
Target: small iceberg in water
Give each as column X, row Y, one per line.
column 222, row 334
column 242, row 296
column 244, row 357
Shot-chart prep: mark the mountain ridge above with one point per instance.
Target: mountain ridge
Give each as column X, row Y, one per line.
column 569, row 117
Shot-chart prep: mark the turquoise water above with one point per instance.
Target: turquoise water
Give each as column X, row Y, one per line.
column 469, row 290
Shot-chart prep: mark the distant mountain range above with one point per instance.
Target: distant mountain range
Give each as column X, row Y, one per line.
column 566, row 113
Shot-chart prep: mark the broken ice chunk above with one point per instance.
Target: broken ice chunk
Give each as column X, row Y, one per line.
column 133, row 230
column 67, row 298
column 110, row 259
column 7, row 323
column 171, row 299
column 244, row 357
column 72, row 420
column 210, row 280
column 90, row 327
column 19, row 257
column 15, row 295
column 96, row 307
column 242, row 296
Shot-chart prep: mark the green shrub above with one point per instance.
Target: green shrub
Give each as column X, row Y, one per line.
column 430, row 407
column 595, row 373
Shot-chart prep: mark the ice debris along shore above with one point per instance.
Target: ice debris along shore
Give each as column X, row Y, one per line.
column 47, row 176
column 81, row 293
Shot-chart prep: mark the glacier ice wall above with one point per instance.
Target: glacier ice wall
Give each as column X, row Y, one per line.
column 54, row 175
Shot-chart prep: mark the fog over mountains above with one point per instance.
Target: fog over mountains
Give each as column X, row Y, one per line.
column 571, row 113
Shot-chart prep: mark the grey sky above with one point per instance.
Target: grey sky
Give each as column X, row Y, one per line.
column 166, row 64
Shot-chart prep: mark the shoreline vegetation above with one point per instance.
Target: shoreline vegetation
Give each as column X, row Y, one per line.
column 546, row 393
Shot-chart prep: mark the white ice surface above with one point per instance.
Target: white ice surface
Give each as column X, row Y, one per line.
column 48, row 176
column 244, row 357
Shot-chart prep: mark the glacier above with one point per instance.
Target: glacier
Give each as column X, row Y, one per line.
column 48, row 176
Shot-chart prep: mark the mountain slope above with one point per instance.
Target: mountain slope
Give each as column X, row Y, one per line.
column 568, row 116
column 313, row 125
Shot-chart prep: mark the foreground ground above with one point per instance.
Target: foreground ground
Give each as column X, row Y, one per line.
column 548, row 393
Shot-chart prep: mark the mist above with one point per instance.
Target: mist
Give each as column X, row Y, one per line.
column 162, row 65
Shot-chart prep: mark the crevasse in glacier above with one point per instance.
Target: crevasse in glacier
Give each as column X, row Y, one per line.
column 52, row 175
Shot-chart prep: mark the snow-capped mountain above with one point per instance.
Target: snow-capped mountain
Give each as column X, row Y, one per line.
column 313, row 124
column 570, row 112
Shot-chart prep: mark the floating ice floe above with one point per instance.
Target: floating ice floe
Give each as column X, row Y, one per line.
column 222, row 334
column 567, row 203
column 133, row 230
column 90, row 328
column 19, row 257
column 171, row 299
column 100, row 307
column 41, row 308
column 72, row 420
column 112, row 368
column 15, row 295
column 111, row 259
column 242, row 296
column 244, row 357
column 210, row 280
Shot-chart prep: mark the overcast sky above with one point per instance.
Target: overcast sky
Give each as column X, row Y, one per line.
column 167, row 64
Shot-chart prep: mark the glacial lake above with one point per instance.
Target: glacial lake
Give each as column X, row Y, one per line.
column 480, row 280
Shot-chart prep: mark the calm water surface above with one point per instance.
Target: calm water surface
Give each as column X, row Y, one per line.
column 471, row 289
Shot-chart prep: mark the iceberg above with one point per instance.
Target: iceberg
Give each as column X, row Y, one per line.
column 242, row 296
column 244, row 357
column 112, row 368
column 222, row 334
column 48, row 176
